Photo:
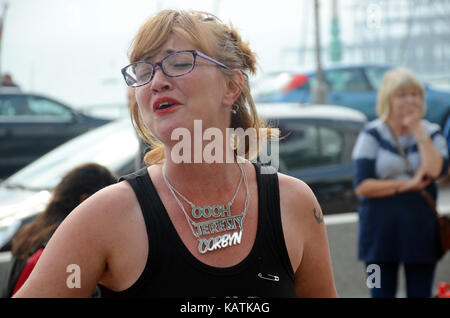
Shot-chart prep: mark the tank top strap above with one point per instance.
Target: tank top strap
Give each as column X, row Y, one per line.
column 271, row 226
column 144, row 190
column 152, row 208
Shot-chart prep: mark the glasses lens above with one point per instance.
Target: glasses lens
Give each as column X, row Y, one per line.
column 178, row 64
column 138, row 74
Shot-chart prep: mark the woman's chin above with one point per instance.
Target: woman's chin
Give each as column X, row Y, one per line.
column 168, row 131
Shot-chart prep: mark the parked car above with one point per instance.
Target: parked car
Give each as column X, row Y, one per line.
column 352, row 86
column 26, row 193
column 32, row 124
column 316, row 148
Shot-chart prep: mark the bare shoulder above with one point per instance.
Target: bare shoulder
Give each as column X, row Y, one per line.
column 89, row 238
column 301, row 216
column 306, row 239
column 115, row 197
column 100, row 218
column 110, row 214
column 107, row 204
column 297, row 197
column 294, row 186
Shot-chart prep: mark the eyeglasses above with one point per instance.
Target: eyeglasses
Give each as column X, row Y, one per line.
column 175, row 64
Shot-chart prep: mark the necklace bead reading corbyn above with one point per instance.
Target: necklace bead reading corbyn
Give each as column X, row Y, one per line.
column 218, row 225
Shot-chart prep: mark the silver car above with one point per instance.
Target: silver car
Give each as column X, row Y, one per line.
column 27, row 192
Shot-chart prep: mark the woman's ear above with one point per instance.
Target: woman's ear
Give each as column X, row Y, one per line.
column 233, row 88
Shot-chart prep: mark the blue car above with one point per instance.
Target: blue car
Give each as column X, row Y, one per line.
column 352, row 86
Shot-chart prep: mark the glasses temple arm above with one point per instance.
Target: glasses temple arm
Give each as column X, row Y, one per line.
column 212, row 60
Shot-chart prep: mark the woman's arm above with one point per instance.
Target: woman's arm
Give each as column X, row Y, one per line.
column 76, row 257
column 430, row 159
column 377, row 188
column 364, row 158
column 306, row 238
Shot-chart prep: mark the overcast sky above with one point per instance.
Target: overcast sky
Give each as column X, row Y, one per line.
column 73, row 49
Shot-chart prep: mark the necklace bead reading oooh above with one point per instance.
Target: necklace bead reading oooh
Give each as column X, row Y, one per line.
column 208, row 211
column 223, row 221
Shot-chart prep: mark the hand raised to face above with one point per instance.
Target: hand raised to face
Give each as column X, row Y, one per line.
column 406, row 107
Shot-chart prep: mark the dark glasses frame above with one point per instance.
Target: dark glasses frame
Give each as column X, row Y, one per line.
column 195, row 53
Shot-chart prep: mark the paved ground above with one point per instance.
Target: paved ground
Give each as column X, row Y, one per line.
column 350, row 274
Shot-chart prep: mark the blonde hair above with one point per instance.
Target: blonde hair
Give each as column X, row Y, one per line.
column 393, row 80
column 207, row 33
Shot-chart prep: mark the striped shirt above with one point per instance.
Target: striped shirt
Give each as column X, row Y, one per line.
column 375, row 154
column 402, row 227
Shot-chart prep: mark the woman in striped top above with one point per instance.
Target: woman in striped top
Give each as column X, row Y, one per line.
column 396, row 224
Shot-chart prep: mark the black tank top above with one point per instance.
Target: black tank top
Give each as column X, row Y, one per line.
column 172, row 271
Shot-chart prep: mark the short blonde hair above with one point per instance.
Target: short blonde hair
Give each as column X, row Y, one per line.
column 393, row 80
column 212, row 37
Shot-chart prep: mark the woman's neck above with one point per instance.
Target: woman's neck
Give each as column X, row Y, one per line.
column 191, row 177
column 397, row 127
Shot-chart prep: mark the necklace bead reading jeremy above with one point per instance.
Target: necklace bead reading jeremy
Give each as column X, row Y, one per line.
column 218, row 225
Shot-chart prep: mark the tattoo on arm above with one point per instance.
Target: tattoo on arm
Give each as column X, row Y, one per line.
column 318, row 216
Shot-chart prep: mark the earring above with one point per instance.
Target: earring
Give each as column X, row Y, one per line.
column 234, row 108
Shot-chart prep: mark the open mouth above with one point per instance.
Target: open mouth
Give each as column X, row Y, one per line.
column 164, row 105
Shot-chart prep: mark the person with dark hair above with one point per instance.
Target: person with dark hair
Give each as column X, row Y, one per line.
column 76, row 186
column 201, row 228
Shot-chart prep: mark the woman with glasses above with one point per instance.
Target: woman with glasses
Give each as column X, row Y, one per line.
column 187, row 225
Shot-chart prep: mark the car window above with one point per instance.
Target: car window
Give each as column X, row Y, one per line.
column 346, row 80
column 44, row 107
column 308, row 146
column 331, row 145
column 114, row 145
column 14, row 105
column 375, row 76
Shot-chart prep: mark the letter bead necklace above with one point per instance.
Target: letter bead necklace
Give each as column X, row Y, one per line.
column 223, row 220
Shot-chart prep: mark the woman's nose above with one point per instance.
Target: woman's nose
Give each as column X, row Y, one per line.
column 160, row 80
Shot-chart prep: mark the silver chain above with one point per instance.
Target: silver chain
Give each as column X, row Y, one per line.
column 189, row 220
column 192, row 204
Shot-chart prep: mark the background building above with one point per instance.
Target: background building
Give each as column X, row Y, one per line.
column 411, row 33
